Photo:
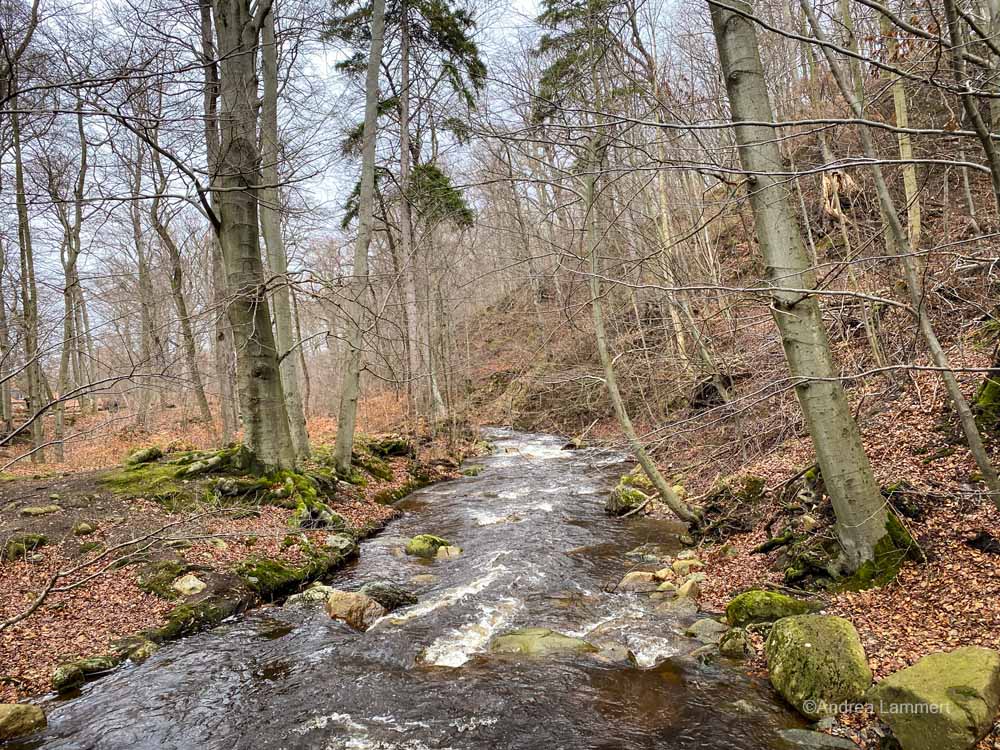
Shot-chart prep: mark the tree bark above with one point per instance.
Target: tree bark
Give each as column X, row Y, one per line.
column 860, row 510
column 351, row 386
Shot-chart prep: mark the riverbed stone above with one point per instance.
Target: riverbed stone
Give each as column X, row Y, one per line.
column 765, row 606
column 817, row 662
column 424, row 579
column 734, row 644
column 642, row 581
column 624, row 499
column 706, row 630
column 679, row 608
column 690, row 589
column 188, row 585
column 356, row 609
column 19, row 720
column 946, row 701
column 667, row 587
column 388, row 594
column 650, row 553
column 664, row 574
column 315, row 594
column 142, row 651
column 539, row 642
column 84, row 528
column 67, row 677
column 615, row 655
column 685, row 566
column 425, row 545
column 448, row 551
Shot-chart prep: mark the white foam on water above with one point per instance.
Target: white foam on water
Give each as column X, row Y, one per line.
column 515, row 494
column 650, row 650
column 458, row 645
column 486, row 518
column 444, row 599
column 322, row 722
column 474, row 722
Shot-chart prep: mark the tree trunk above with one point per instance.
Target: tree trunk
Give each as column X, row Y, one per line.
column 262, row 401
column 860, row 510
column 270, row 221
column 355, row 309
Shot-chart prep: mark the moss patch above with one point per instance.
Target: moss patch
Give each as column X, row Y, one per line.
column 156, row 577
column 891, row 551
column 764, row 606
column 17, row 547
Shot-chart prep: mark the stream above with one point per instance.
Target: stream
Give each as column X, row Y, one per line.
column 538, row 551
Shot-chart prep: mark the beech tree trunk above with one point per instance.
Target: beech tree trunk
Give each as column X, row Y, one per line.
column 859, row 507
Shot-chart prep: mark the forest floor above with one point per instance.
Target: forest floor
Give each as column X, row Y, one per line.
column 111, row 551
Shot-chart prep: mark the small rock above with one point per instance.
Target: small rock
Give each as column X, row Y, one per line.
column 67, row 677
column 664, row 574
column 810, row 740
column 83, row 528
column 447, row 551
column 705, row 653
column 689, row 590
column 388, row 594
column 425, row 545
column 216, row 543
column 808, row 523
column 20, row 719
column 680, row 608
column 40, row 510
column 143, row 651
column 178, row 544
column 706, row 630
column 683, row 567
column 686, row 539
column 734, row 644
column 55, row 497
column 698, row 577
column 687, row 554
column 315, row 594
column 424, row 579
column 342, row 543
column 616, row 655
column 650, row 553
column 668, row 587
column 356, row 609
column 639, row 581
column 188, row 585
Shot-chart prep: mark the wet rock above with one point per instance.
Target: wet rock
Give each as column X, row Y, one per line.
column 651, row 553
column 734, row 644
column 639, row 581
column 356, row 609
column 83, row 528
column 188, row 585
column 40, row 510
column 950, row 699
column 341, row 544
column 425, row 545
column 443, row 553
column 689, row 590
column 388, row 594
column 142, row 651
column 706, row 653
column 20, row 719
column 624, row 499
column 817, row 662
column 765, row 606
column 67, row 677
column 664, row 574
column 616, row 655
column 315, row 594
column 667, row 587
column 706, row 630
column 539, row 642
column 809, row 740
column 424, row 579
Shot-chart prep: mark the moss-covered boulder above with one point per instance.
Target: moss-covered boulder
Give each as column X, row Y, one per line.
column 817, row 662
column 734, row 644
column 946, row 701
column 765, row 606
column 388, row 446
column 17, row 547
column 624, row 499
column 640, row 581
column 425, row 545
column 67, row 677
column 40, row 510
column 539, row 642
column 19, row 720
column 144, row 455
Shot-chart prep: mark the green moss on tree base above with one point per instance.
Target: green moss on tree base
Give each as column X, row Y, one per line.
column 891, row 551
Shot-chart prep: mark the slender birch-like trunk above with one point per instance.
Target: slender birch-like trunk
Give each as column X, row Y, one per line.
column 351, row 387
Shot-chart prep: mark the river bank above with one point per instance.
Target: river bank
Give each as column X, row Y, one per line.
column 103, row 566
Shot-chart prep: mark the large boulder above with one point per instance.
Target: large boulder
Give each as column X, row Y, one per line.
column 356, row 609
column 764, row 606
column 388, row 594
column 946, row 701
column 624, row 499
column 706, row 630
column 20, row 719
column 817, row 662
column 539, row 642
column 425, row 545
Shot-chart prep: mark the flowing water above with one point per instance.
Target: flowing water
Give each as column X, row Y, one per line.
column 538, row 551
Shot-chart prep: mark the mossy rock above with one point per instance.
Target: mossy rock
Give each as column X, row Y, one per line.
column 272, row 579
column 20, row 719
column 388, row 594
column 817, row 662
column 425, row 545
column 539, row 642
column 17, row 547
column 190, row 618
column 765, row 606
column 473, row 470
column 946, row 701
column 158, row 577
column 373, row 465
column 144, row 455
column 625, row 498
column 986, row 405
column 389, row 446
column 67, row 677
